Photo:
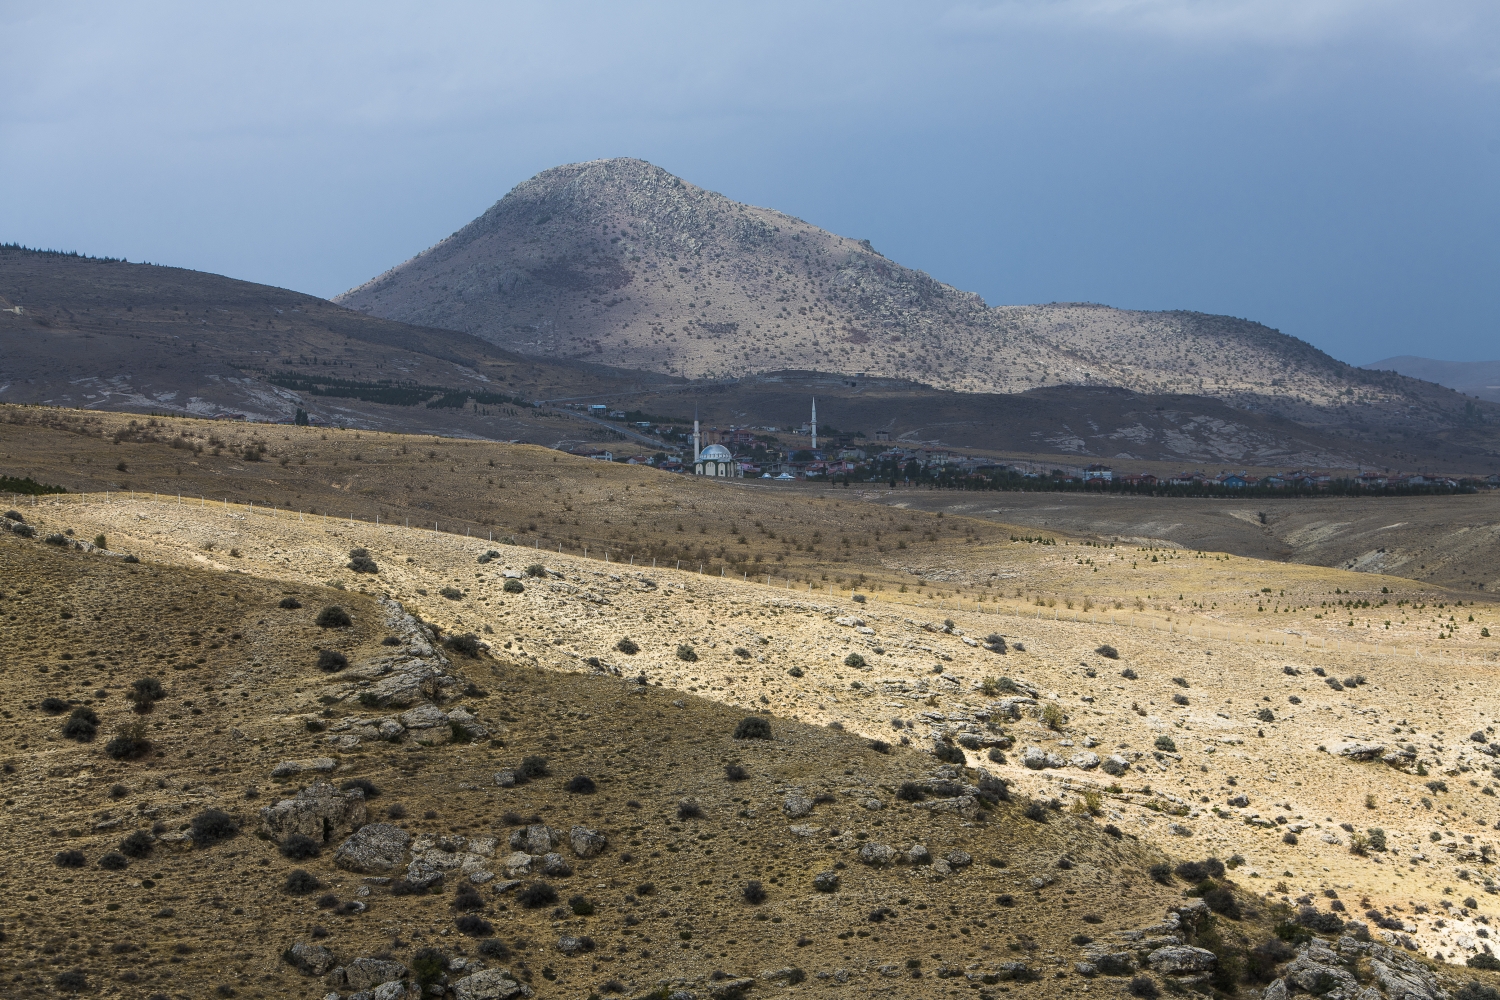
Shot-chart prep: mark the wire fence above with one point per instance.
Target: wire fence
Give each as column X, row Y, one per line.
column 616, row 555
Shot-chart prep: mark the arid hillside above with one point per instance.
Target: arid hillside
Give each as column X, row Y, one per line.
column 620, row 262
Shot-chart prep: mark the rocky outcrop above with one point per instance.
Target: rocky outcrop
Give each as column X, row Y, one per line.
column 319, row 811
column 375, row 849
column 491, row 984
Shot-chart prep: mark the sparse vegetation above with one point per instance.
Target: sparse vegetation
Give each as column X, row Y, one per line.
column 333, row 616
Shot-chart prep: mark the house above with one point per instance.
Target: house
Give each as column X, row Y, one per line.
column 1103, row 472
column 598, row 410
column 882, row 435
column 1234, row 482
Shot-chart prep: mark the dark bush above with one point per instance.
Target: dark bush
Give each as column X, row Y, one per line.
column 1266, row 715
column 1323, row 923
column 69, row 859
column 54, row 706
column 689, row 809
column 360, row 561
column 948, row 753
column 1473, row 990
column 1179, row 699
column 363, row 784
column 1483, row 960
column 395, row 811
column 1108, row 652
column 491, row 948
column 581, row 784
column 1113, row 831
column 129, row 743
column 290, row 603
column 995, row 643
column 1220, row 900
column 474, row 925
column 753, row 727
column 1144, row 988
column 535, row 895
column 687, row 654
column 880, row 746
column 1261, row 961
column 300, row 882
column 734, row 772
column 992, row 789
column 1129, row 674
column 114, row 861
column 72, row 981
column 754, row 893
column 1035, row 811
column 428, row 966
column 910, row 791
column 796, row 672
column 404, row 887
column 390, row 640
column 15, row 515
column 300, row 847
column 331, row 660
column 137, row 844
column 627, row 646
column 1198, row 871
column 56, row 539
column 581, row 906
column 1160, row 872
column 327, row 901
column 1166, row 744
column 145, row 692
column 511, row 586
column 81, row 725
column 212, row 826
column 333, row 616
column 854, row 660
column 531, row 768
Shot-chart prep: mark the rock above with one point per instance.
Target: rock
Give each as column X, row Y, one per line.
column 491, row 984
column 1034, row 758
column 1239, row 801
column 797, row 805
column 556, row 865
column 465, row 721
column 309, row 959
column 570, row 946
column 366, row 973
column 727, row 988
column 849, row 622
column 826, row 881
column 1179, row 830
column 1115, row 963
column 1088, row 760
column 287, row 768
column 538, row 838
column 319, row 811
column 1178, row 959
column 1361, row 751
column 917, row 854
column 395, row 990
column 964, row 805
column 585, row 842
column 1275, row 991
column 424, row 875
column 480, row 877
column 1114, row 765
column 1088, row 970
column 517, row 864
column 960, row 859
column 389, row 730
column 872, row 804
column 877, row 854
column 804, row 830
column 374, row 848
column 506, row 886
column 505, row 779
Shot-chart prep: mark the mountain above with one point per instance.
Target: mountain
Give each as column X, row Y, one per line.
column 1472, row 378
column 623, row 263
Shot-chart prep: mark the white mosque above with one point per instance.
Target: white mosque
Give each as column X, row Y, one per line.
column 717, row 460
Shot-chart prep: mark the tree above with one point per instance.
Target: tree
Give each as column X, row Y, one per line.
column 302, row 420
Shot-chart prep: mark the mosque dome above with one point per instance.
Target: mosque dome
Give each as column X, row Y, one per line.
column 715, row 453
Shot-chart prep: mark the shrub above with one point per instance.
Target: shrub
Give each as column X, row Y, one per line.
column 1289, row 838
column 1035, row 811
column 1179, row 699
column 995, row 643
column 114, row 861
column 753, row 727
column 466, row 644
column 290, row 603
column 854, row 660
column 54, row 706
column 212, row 826
column 996, row 755
column 796, row 672
column 1052, row 715
column 1377, row 838
column 1129, row 674
column 474, row 925
column 1160, row 872
column 535, row 895
column 331, row 660
column 1483, row 960
column 993, row 789
column 1198, row 871
column 948, row 753
column 581, row 784
column 532, row 767
column 880, row 746
column 1261, row 961
column 754, row 893
column 689, row 809
column 1166, row 744
column 1221, row 901
column 395, row 811
column 735, row 772
column 69, row 859
column 300, row 882
column 72, row 981
column 491, row 554
column 428, row 966
column 581, row 906
column 81, row 725
column 1266, row 715
column 56, row 539
column 333, row 616
column 137, row 844
column 300, row 847
column 360, row 561
column 1108, row 652
column 145, row 692
column 1144, row 988
column 129, row 743
column 491, row 948
column 627, row 646
column 404, row 887
column 686, row 654
column 468, row 899
column 363, row 784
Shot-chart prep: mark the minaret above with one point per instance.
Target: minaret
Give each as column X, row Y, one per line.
column 815, row 424
column 696, row 448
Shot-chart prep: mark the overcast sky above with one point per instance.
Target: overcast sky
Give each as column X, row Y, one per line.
column 1328, row 167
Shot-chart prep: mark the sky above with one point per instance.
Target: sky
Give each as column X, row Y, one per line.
column 1326, row 167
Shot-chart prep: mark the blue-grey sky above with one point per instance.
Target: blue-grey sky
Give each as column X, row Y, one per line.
column 1328, row 167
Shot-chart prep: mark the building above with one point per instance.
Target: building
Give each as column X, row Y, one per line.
column 715, row 460
column 1103, row 472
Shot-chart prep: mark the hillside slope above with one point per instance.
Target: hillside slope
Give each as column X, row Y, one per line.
column 1473, row 378
column 621, row 262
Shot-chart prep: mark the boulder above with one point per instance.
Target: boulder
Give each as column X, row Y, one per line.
column 556, row 865
column 877, row 854
column 1361, row 751
column 288, row 768
column 1034, row 758
column 960, row 859
column 1088, row 760
column 367, row 973
column 375, row 849
column 310, row 959
column 505, row 779
column 538, row 838
column 465, row 721
column 826, row 881
column 585, row 842
column 1181, row 959
column 1114, row 765
column 423, row 875
column 491, row 984
column 517, row 864
column 797, row 805
column 918, row 854
column 1275, row 991
column 570, row 946
column 395, row 990
column 319, row 811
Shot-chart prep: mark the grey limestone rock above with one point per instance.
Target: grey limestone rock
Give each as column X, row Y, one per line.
column 1179, row 959
column 797, row 805
column 556, row 865
column 288, row 768
column 376, row 848
column 826, row 881
column 538, row 838
column 312, row 959
column 1087, row 761
column 491, row 984
column 366, row 973
column 586, row 843
column 877, row 854
column 319, row 811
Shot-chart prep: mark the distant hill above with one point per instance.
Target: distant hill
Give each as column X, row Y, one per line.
column 1472, row 378
column 620, row 262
